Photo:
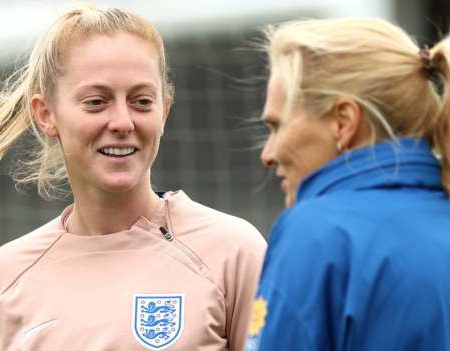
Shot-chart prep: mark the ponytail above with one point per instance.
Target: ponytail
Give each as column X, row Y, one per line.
column 44, row 165
column 15, row 116
column 440, row 135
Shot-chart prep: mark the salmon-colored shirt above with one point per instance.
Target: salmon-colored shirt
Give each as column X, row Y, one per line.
column 182, row 280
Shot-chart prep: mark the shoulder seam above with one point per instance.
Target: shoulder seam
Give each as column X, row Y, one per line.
column 31, row 265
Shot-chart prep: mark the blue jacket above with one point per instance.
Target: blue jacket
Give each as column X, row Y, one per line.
column 362, row 261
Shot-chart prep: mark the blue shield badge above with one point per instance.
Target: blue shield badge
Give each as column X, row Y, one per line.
column 158, row 320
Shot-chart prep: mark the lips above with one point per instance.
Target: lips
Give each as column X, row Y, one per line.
column 117, row 151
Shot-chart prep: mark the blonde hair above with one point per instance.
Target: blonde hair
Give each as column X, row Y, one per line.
column 375, row 63
column 46, row 165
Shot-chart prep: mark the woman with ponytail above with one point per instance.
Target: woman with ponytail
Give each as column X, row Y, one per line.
column 123, row 267
column 359, row 134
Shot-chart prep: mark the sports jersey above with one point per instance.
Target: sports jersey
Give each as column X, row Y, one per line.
column 181, row 280
column 362, row 261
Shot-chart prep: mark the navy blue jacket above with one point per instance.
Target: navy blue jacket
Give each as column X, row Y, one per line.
column 362, row 261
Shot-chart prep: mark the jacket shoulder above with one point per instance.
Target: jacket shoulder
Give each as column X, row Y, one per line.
column 19, row 255
column 190, row 216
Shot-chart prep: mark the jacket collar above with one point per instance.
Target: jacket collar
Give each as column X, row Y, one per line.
column 405, row 162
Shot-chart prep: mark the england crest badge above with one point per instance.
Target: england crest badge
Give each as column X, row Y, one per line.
column 158, row 320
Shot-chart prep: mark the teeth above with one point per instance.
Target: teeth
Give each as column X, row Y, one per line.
column 117, row 151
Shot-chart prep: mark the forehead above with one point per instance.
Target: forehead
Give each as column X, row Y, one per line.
column 275, row 98
column 105, row 54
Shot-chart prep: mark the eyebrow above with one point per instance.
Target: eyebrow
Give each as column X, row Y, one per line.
column 152, row 87
column 82, row 88
column 107, row 90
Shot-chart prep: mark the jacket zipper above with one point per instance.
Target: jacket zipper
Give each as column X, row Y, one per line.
column 167, row 235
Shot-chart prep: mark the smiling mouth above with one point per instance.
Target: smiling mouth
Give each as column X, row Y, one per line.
column 117, row 151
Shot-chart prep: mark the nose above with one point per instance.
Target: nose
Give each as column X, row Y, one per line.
column 268, row 153
column 121, row 121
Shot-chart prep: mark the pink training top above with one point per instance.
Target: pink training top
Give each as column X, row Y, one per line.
column 186, row 287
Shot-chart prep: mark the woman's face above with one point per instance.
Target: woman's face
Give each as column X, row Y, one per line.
column 109, row 112
column 298, row 144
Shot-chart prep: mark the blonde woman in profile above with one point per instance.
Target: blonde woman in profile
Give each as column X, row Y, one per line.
column 123, row 268
column 360, row 260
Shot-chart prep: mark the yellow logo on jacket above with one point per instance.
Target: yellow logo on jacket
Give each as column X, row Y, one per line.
column 258, row 319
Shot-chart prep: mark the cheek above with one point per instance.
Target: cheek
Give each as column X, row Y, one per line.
column 76, row 138
column 302, row 152
column 155, row 142
column 285, row 152
column 290, row 147
column 150, row 132
column 70, row 124
column 77, row 133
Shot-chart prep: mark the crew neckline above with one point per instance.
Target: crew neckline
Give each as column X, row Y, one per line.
column 156, row 220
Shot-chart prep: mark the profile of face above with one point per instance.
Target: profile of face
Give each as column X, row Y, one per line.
column 298, row 144
column 108, row 112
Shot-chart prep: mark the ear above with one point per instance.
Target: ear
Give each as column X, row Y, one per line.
column 43, row 116
column 347, row 118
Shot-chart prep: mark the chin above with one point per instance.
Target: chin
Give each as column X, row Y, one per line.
column 116, row 188
column 119, row 185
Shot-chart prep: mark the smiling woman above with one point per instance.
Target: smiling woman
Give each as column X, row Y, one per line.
column 122, row 267
column 109, row 115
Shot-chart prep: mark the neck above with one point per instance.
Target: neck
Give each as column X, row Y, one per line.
column 99, row 214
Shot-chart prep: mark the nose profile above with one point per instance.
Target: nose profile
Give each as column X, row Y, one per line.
column 268, row 154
